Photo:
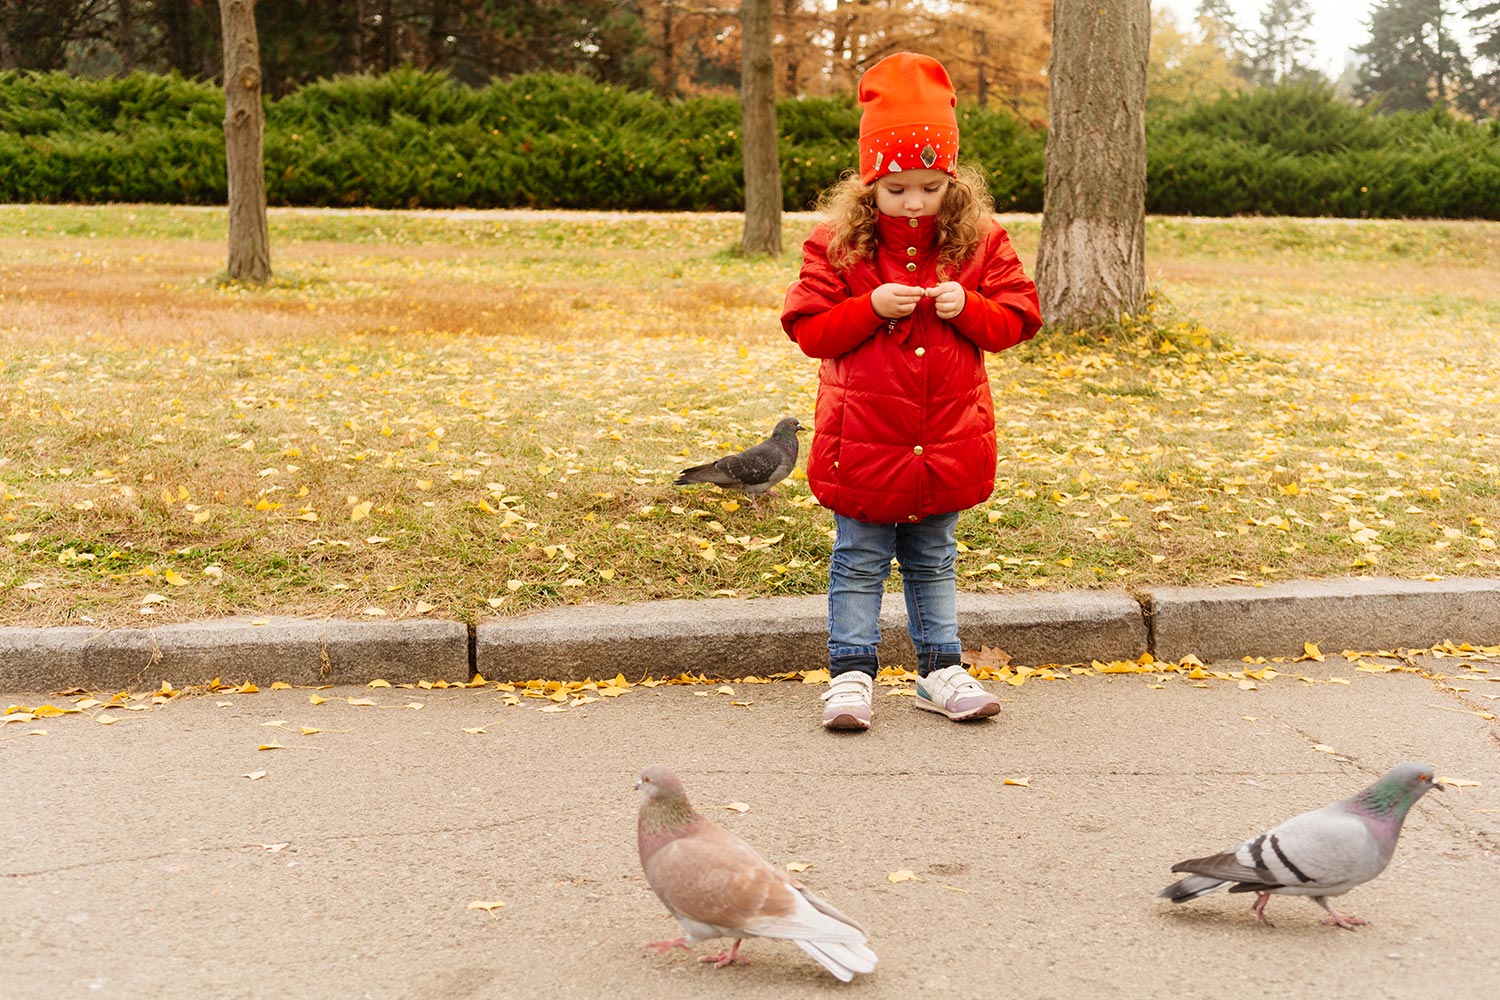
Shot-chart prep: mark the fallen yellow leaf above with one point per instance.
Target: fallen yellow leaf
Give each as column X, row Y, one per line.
column 1458, row 782
column 903, row 876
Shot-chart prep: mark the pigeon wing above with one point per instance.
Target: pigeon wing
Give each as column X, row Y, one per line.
column 712, row 877
column 1323, row 848
column 765, row 463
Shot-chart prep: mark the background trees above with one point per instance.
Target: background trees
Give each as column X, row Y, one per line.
column 1413, row 59
column 996, row 49
column 1282, row 44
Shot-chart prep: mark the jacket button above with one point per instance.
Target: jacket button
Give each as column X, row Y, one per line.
column 913, row 223
column 911, row 267
column 917, row 450
column 911, row 251
column 920, row 351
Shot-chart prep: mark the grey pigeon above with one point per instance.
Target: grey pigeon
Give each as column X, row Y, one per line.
column 1320, row 854
column 754, row 470
column 715, row 885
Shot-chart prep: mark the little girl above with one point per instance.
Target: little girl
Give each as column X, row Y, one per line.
column 902, row 289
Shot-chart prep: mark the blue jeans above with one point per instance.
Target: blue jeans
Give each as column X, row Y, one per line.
column 857, row 571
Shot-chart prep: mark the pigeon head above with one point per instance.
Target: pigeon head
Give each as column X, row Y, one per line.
column 1399, row 788
column 787, row 427
column 664, row 804
column 659, row 781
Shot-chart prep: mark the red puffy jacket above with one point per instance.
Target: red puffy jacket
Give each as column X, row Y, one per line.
column 905, row 426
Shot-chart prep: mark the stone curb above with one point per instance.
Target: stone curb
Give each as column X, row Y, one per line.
column 759, row 636
column 1358, row 613
column 294, row 650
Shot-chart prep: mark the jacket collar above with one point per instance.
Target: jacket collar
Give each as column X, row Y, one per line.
column 896, row 230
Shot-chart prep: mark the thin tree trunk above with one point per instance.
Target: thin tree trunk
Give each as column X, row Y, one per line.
column 352, row 56
column 388, row 23
column 668, row 52
column 125, row 35
column 1092, row 261
column 984, row 61
column 7, row 50
column 762, row 162
column 437, row 32
column 244, row 125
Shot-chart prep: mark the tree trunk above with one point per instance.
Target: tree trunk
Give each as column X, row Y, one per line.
column 244, row 125
column 125, row 35
column 388, row 25
column 1091, row 265
column 7, row 50
column 352, row 43
column 762, row 161
column 437, row 33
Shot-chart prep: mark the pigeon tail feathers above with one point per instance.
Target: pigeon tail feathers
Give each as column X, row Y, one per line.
column 1191, row 888
column 841, row 959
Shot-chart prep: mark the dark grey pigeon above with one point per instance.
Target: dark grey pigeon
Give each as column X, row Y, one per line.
column 754, row 470
column 1320, row 854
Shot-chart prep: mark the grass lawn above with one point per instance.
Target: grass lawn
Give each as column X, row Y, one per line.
column 475, row 414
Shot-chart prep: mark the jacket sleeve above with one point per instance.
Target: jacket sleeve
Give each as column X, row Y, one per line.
column 1004, row 309
column 821, row 314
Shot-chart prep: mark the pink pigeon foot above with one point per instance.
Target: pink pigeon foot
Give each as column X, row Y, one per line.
column 1344, row 920
column 724, row 958
column 662, row 947
column 1261, row 899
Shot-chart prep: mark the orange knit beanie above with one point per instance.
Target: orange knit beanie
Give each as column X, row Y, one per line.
column 907, row 120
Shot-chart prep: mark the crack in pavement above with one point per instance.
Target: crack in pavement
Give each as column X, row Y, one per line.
column 326, row 838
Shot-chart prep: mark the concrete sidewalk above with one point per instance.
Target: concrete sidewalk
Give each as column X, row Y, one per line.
column 138, row 859
column 733, row 638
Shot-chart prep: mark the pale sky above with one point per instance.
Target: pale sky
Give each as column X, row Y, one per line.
column 1337, row 25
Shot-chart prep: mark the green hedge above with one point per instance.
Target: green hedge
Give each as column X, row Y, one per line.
column 409, row 139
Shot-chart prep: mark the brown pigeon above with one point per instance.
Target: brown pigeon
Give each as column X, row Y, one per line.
column 754, row 470
column 717, row 886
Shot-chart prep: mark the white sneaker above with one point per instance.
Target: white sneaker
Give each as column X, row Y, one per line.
column 951, row 691
column 846, row 703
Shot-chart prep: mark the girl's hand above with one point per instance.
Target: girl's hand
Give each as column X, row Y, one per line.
column 894, row 300
column 949, row 297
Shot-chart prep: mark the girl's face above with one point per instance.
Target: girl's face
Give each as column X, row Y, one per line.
column 911, row 193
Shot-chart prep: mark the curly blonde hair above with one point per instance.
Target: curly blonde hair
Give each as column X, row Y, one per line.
column 848, row 208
